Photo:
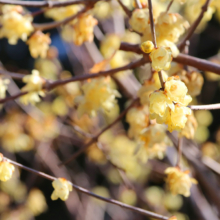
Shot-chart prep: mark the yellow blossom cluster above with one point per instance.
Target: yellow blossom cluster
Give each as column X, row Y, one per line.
column 34, row 84
column 12, row 135
column 6, row 169
column 179, row 182
column 169, row 27
column 83, row 29
column 62, row 187
column 39, row 44
column 97, row 94
column 168, row 106
column 15, row 25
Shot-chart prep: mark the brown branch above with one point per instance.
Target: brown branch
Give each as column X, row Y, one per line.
column 152, row 26
column 51, row 85
column 39, row 12
column 194, row 26
column 38, row 4
column 83, row 77
column 87, row 192
column 95, row 138
column 126, row 10
column 184, row 59
column 138, row 4
column 11, row 74
column 205, row 107
column 180, row 146
column 12, row 97
column 51, row 25
column 170, row 4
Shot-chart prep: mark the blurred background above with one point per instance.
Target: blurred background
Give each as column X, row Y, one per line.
column 42, row 136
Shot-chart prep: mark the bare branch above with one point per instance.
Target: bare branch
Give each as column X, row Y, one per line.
column 38, row 4
column 95, row 138
column 126, row 10
column 87, row 192
column 205, row 107
column 170, row 4
column 51, row 85
column 51, row 25
column 184, row 59
column 138, row 4
column 180, row 145
column 195, row 25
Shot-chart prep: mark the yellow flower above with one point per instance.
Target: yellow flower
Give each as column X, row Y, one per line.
column 36, row 202
column 170, row 26
column 177, row 119
column 15, row 26
column 139, row 20
column 190, row 127
column 34, row 85
column 179, row 182
column 147, row 46
column 161, row 58
column 176, row 91
column 39, row 44
column 98, row 94
column 159, row 103
column 83, row 29
column 3, row 87
column 6, row 170
column 62, row 187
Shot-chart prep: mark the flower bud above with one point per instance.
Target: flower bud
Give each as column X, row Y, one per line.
column 147, row 46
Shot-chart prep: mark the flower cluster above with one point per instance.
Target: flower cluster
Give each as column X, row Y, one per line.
column 169, row 27
column 83, row 29
column 179, row 182
column 6, row 169
column 98, row 94
column 39, row 44
column 169, row 106
column 62, row 187
column 15, row 25
column 34, row 85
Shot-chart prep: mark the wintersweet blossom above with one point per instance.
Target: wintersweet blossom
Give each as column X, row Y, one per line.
column 3, row 87
column 179, row 182
column 15, row 26
column 176, row 91
column 147, row 46
column 98, row 94
column 83, row 29
column 161, row 58
column 139, row 20
column 62, row 187
column 39, row 44
column 6, row 169
column 177, row 119
column 34, row 85
column 159, row 104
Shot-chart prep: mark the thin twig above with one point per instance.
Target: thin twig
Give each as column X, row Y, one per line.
column 11, row 74
column 39, row 12
column 205, row 107
column 152, row 26
column 180, row 145
column 95, row 138
column 153, row 33
column 38, row 4
column 138, row 4
column 194, row 26
column 85, row 191
column 170, row 4
column 51, row 85
column 184, row 59
column 51, row 25
column 126, row 10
